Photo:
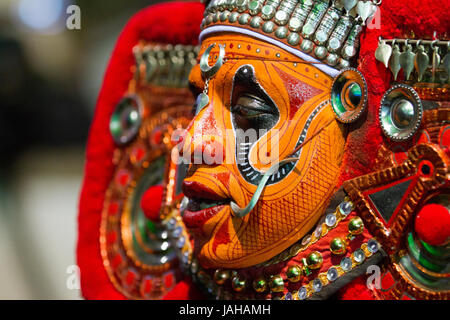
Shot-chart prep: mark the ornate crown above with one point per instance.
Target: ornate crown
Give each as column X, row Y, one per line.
column 325, row 30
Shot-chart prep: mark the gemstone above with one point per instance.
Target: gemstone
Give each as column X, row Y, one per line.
column 345, row 208
column 268, row 27
column 125, row 121
column 356, row 226
column 221, row 276
column 321, row 36
column 314, row 260
column 359, row 256
column 295, row 24
column 238, row 284
column 344, row 64
column 320, row 52
column 281, row 17
column 260, row 285
column 372, row 245
column 338, row 246
column 276, row 283
column 293, row 39
column 302, row 293
column 181, row 242
column 306, row 46
column 281, row 32
column 177, row 232
column 233, row 17
column 330, row 220
column 267, row 12
column 171, row 224
column 318, row 231
column 224, row 15
column 306, row 240
column 317, row 285
column 294, row 274
column 243, row 19
column 332, row 274
column 332, row 59
column 288, row 296
column 346, row 264
column 256, row 22
column 194, row 267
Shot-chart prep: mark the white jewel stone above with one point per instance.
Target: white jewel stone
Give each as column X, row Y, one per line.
column 346, row 264
column 332, row 274
column 302, row 293
column 331, row 220
column 372, row 245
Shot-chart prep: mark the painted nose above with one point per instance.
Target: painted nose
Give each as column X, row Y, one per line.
column 207, row 150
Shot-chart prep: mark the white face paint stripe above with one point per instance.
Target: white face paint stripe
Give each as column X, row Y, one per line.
column 216, row 29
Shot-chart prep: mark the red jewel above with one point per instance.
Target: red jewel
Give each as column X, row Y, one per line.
column 267, row 52
column 147, row 285
column 130, row 278
column 111, row 237
column 231, row 46
column 249, row 47
column 113, row 208
column 168, row 280
column 138, row 154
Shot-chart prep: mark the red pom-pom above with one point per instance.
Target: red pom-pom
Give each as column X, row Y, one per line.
column 151, row 203
column 433, row 224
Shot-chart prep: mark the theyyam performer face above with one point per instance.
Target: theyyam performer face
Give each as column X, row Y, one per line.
column 264, row 103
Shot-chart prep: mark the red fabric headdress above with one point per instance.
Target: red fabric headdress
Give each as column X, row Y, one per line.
column 170, row 23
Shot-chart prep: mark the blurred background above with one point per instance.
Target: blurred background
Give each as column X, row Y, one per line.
column 49, row 80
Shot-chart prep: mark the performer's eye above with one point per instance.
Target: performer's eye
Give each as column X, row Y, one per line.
column 251, row 107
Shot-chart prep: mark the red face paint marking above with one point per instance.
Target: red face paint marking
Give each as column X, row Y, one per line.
column 299, row 91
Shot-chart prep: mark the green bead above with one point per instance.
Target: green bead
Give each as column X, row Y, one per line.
column 260, row 285
column 221, row 276
column 338, row 246
column 294, row 274
column 276, row 283
column 238, row 284
column 356, row 226
column 314, row 260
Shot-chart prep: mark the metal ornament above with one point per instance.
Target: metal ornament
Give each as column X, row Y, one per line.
column 126, row 120
column 436, row 60
column 407, row 61
column 349, row 4
column 421, row 61
column 202, row 101
column 394, row 62
column 383, row 53
column 207, row 70
column 401, row 112
column 446, row 65
column 349, row 95
column 365, row 10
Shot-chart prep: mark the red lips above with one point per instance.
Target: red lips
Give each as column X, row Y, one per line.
column 197, row 219
column 195, row 190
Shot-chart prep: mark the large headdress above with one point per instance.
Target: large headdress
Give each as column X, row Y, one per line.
column 144, row 94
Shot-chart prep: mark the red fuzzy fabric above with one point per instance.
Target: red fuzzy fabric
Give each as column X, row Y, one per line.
column 356, row 290
column 399, row 19
column 151, row 203
column 432, row 224
column 184, row 290
column 175, row 23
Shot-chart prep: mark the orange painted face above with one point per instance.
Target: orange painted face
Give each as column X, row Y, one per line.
column 285, row 102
